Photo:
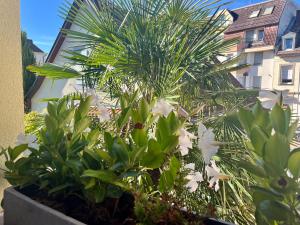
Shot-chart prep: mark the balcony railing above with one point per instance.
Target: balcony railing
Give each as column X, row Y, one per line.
column 253, row 43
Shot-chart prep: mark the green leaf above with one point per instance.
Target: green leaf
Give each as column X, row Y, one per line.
column 16, row 151
column 277, row 152
column 256, row 170
column 81, row 125
column 83, row 109
column 144, row 109
column 292, row 130
column 119, row 152
column 51, row 108
column 173, row 123
column 154, row 157
column 124, row 117
column 53, row 71
column 260, row 194
column 246, row 118
column 278, row 119
column 99, row 193
column 140, row 137
column 258, row 139
column 174, row 166
column 262, row 118
column 275, row 210
column 294, row 163
column 103, row 175
column 109, row 141
column 166, row 181
column 104, row 155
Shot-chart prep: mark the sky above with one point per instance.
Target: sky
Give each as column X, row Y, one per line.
column 41, row 21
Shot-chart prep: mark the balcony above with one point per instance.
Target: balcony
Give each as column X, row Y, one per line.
column 255, row 46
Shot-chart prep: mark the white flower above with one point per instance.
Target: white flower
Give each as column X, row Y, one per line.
column 185, row 141
column 30, row 140
column 104, row 114
column 162, row 108
column 193, row 178
column 270, row 98
column 207, row 143
column 87, row 130
column 214, row 175
column 190, row 166
column 95, row 97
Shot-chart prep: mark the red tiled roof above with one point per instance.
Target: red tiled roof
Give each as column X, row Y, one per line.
column 243, row 22
column 270, row 35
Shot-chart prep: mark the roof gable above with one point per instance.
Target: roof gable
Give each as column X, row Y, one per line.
column 242, row 20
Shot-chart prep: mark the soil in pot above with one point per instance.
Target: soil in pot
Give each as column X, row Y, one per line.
column 110, row 212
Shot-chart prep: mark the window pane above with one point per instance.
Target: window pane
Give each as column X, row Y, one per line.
column 260, row 35
column 258, row 58
column 249, row 35
column 268, row 10
column 254, row 14
column 288, row 43
column 287, row 74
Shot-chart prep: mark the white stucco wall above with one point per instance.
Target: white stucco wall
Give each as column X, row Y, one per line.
column 40, row 57
column 57, row 88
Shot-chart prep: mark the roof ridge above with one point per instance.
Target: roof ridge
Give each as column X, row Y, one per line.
column 258, row 3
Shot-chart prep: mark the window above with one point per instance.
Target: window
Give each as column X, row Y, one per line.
column 250, row 36
column 268, row 10
column 254, row 14
column 260, row 35
column 258, row 58
column 288, row 43
column 286, row 74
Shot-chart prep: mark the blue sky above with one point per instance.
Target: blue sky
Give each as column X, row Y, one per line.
column 40, row 19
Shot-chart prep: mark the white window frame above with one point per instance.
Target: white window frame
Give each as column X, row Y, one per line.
column 280, row 74
column 292, row 36
column 270, row 12
column 254, row 13
column 255, row 35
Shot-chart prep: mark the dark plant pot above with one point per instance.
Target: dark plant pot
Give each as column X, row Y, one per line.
column 22, row 210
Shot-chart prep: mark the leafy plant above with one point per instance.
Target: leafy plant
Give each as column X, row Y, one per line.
column 274, row 165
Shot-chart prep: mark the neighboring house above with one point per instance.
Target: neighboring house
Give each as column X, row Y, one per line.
column 269, row 34
column 39, row 55
column 45, row 88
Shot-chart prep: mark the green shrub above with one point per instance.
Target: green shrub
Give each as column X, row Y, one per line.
column 273, row 163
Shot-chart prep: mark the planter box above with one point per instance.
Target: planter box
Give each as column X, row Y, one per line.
column 22, row 210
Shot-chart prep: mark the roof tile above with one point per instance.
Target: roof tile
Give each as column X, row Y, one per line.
column 243, row 22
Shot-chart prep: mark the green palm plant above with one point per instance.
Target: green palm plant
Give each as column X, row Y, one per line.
column 159, row 44
column 168, row 49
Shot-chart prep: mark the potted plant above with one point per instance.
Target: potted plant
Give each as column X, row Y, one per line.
column 123, row 167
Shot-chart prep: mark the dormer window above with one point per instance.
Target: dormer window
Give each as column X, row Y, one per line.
column 288, row 41
column 268, row 10
column 254, row 14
